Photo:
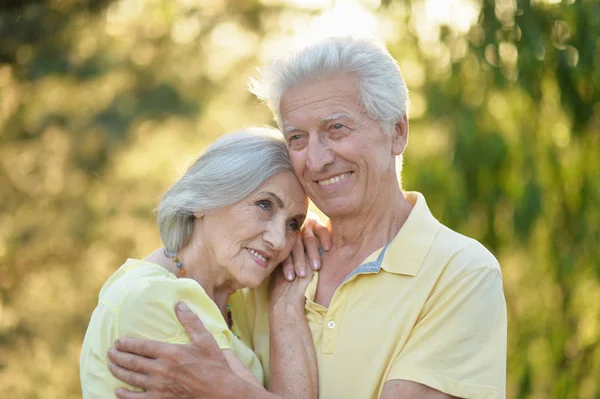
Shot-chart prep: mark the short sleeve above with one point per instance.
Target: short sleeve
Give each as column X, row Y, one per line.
column 458, row 345
column 148, row 311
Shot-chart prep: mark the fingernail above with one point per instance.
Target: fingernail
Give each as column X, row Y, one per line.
column 182, row 307
column 301, row 273
column 289, row 276
column 315, row 264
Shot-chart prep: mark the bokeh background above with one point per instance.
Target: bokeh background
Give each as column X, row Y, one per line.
column 103, row 103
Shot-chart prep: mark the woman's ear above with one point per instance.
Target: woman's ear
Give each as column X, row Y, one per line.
column 400, row 136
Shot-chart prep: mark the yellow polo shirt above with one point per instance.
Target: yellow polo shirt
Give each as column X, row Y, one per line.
column 138, row 301
column 429, row 307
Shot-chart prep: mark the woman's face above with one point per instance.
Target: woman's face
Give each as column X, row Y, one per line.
column 251, row 237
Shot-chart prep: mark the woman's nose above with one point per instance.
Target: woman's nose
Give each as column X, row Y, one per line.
column 275, row 235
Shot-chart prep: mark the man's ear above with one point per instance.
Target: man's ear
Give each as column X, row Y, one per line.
column 400, row 136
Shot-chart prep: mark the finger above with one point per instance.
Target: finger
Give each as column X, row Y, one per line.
column 312, row 247
column 130, row 377
column 142, row 347
column 320, row 229
column 194, row 327
column 287, row 267
column 123, row 393
column 299, row 257
column 323, row 234
column 130, row 361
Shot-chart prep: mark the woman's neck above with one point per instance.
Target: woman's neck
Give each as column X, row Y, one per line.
column 214, row 279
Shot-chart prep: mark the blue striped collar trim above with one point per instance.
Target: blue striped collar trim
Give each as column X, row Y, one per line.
column 370, row 267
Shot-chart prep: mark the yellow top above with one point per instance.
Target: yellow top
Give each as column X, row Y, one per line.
column 139, row 301
column 429, row 307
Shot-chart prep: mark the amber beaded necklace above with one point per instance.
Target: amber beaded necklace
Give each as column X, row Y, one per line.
column 173, row 255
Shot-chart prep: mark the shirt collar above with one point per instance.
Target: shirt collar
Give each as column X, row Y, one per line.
column 407, row 251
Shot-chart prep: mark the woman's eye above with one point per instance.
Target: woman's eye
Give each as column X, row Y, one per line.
column 294, row 225
column 265, row 205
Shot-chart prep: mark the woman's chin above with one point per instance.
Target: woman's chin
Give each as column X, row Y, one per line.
column 251, row 282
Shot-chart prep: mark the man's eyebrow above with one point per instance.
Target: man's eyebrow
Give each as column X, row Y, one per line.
column 290, row 129
column 274, row 196
column 335, row 116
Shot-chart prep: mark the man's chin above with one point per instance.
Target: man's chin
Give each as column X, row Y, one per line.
column 335, row 209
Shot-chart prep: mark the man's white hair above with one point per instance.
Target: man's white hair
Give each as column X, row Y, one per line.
column 383, row 91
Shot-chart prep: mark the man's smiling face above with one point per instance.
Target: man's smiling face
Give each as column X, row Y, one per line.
column 340, row 154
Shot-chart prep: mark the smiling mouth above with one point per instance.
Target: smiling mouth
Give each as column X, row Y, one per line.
column 334, row 179
column 259, row 257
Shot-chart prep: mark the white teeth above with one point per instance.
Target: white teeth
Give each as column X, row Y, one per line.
column 334, row 179
column 259, row 256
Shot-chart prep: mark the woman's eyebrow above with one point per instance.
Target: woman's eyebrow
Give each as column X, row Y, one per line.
column 274, row 196
column 301, row 217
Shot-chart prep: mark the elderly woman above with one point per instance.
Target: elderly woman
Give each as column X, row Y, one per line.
column 225, row 225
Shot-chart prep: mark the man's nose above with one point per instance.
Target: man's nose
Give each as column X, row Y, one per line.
column 320, row 154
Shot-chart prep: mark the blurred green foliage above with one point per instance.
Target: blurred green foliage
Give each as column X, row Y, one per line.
column 101, row 103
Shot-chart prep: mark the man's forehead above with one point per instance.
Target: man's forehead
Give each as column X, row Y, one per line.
column 327, row 118
column 335, row 87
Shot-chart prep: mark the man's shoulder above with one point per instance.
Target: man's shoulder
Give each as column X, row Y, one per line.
column 463, row 255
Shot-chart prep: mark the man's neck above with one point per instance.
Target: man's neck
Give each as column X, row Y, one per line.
column 355, row 238
column 374, row 226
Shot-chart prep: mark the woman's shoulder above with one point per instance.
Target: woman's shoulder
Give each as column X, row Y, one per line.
column 128, row 275
column 153, row 285
column 146, row 305
column 142, row 284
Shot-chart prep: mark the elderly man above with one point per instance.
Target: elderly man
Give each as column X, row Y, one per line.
column 403, row 307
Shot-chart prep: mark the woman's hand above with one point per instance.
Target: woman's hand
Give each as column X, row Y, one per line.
column 288, row 295
column 292, row 354
column 315, row 233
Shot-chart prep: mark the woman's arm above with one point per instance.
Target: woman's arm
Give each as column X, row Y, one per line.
column 293, row 362
column 239, row 368
column 168, row 371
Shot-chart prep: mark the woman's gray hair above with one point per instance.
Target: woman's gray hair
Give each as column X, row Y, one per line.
column 229, row 170
column 382, row 87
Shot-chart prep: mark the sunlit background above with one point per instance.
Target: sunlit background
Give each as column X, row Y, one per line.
column 104, row 103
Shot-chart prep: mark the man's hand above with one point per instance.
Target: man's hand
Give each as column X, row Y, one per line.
column 195, row 370
column 315, row 233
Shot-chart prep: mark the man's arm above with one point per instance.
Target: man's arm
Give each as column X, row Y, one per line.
column 195, row 370
column 401, row 389
column 458, row 345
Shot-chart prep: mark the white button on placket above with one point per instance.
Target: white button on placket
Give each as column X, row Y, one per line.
column 331, row 324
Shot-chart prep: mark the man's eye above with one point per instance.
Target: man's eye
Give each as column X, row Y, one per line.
column 337, row 126
column 295, row 137
column 265, row 205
